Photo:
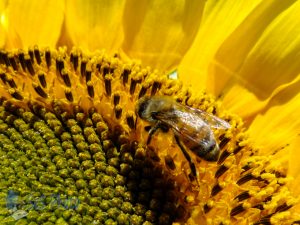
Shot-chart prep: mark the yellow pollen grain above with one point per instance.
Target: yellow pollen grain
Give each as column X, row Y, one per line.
column 210, row 203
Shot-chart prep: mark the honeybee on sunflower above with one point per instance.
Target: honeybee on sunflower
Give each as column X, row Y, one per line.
column 130, row 143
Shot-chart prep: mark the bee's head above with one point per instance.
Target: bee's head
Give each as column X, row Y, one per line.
column 142, row 108
column 147, row 108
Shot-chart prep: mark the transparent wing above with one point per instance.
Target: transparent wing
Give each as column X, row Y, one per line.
column 187, row 124
column 210, row 119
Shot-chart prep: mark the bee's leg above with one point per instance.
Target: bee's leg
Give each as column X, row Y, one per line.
column 158, row 125
column 187, row 156
column 151, row 132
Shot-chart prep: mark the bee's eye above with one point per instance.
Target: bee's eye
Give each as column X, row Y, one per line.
column 154, row 115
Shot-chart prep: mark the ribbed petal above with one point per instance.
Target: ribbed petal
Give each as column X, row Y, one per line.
column 160, row 32
column 272, row 61
column 277, row 131
column 34, row 22
column 259, row 55
column 220, row 20
column 95, row 24
column 241, row 101
column 3, row 22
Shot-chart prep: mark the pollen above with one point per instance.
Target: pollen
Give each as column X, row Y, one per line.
column 73, row 150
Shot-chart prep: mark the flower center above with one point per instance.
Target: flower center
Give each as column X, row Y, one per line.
column 71, row 141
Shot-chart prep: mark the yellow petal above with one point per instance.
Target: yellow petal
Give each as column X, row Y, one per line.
column 95, row 24
column 220, row 20
column 3, row 21
column 272, row 60
column 277, row 126
column 160, row 32
column 242, row 102
column 34, row 22
column 237, row 99
column 263, row 60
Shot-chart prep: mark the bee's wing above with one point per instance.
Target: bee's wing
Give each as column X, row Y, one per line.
column 210, row 119
column 186, row 124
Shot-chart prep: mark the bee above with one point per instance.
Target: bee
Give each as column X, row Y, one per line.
column 192, row 127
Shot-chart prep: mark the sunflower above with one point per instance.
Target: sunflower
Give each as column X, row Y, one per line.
column 73, row 150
